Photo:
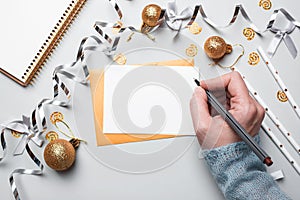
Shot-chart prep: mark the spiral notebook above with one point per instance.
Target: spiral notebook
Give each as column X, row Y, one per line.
column 30, row 30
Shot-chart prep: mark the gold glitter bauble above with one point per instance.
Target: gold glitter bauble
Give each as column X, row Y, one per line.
column 59, row 155
column 51, row 135
column 249, row 33
column 266, row 4
column 151, row 14
column 120, row 59
column 195, row 28
column 16, row 134
column 56, row 117
column 281, row 96
column 191, row 51
column 253, row 58
column 215, row 47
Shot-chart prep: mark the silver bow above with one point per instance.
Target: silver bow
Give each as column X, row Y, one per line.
column 283, row 34
column 173, row 20
column 23, row 127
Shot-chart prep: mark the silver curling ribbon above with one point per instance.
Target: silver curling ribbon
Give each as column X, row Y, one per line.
column 28, row 126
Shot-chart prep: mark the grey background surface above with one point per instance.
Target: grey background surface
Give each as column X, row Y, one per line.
column 188, row 177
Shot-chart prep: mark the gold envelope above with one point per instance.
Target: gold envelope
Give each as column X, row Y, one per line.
column 97, row 89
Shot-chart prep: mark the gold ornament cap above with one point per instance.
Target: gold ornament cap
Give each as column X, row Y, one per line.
column 59, row 154
column 151, row 14
column 215, row 47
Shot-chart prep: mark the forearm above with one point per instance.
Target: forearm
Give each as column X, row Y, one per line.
column 240, row 174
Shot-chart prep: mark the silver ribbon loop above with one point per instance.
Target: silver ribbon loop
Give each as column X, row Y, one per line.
column 290, row 45
column 23, row 127
column 287, row 41
column 173, row 20
column 282, row 34
column 274, row 44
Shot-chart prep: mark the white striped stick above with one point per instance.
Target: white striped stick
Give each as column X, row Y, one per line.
column 271, row 115
column 281, row 147
column 279, row 81
column 274, row 119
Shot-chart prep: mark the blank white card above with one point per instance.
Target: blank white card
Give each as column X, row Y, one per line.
column 148, row 99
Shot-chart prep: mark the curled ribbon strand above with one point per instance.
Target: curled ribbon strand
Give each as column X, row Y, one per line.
column 238, row 9
column 174, row 22
column 28, row 127
column 280, row 34
column 113, row 43
column 117, row 8
column 25, row 171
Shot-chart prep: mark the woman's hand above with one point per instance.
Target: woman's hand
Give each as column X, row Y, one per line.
column 211, row 129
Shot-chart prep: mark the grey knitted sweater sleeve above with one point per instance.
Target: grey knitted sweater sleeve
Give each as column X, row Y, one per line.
column 240, row 174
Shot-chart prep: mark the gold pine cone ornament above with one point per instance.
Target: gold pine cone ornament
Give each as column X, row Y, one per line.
column 150, row 16
column 215, row 47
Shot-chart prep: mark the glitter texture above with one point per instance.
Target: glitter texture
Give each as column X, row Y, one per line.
column 151, row 14
column 59, row 154
column 215, row 47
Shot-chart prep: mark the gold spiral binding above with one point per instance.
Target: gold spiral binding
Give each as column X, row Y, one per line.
column 52, row 40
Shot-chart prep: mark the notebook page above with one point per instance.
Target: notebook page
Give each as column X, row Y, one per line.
column 174, row 100
column 25, row 25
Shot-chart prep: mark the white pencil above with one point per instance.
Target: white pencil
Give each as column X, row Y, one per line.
column 281, row 147
column 279, row 81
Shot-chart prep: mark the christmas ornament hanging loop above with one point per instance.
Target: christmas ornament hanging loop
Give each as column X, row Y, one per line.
column 57, row 117
column 235, row 62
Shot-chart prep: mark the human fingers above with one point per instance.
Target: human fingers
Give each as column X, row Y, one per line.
column 200, row 112
column 257, row 120
column 250, row 116
column 232, row 82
